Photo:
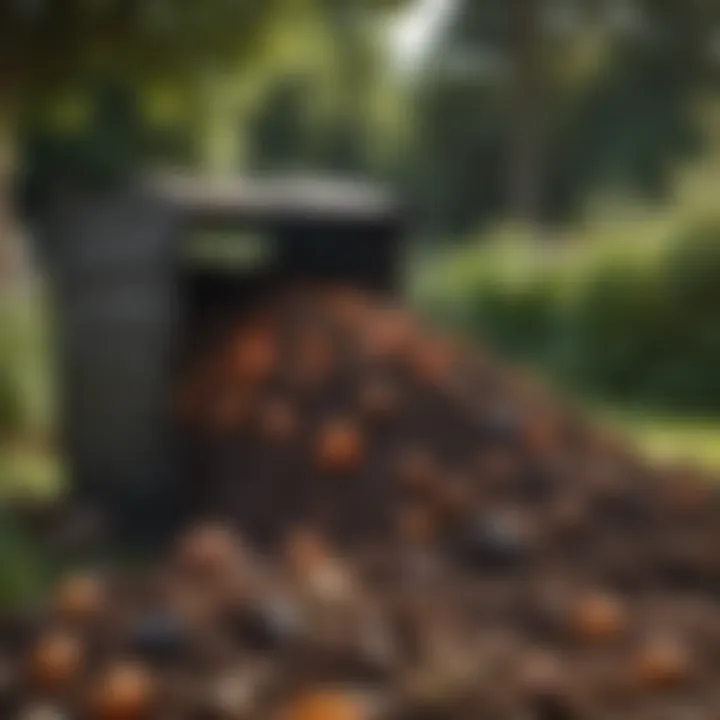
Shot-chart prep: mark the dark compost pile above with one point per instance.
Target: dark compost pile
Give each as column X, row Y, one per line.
column 388, row 524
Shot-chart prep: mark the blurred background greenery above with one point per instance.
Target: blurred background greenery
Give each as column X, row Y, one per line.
column 560, row 159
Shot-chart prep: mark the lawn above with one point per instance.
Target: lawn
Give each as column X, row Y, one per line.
column 667, row 437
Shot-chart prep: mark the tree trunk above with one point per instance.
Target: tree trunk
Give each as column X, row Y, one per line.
column 524, row 191
column 15, row 266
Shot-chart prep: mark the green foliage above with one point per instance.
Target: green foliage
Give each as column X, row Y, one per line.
column 334, row 108
column 26, row 392
column 616, row 106
column 55, row 41
column 10, row 405
column 632, row 322
column 666, row 437
column 28, row 465
column 614, row 330
column 275, row 84
column 24, row 570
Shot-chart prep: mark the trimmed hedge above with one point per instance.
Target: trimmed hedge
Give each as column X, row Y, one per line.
column 632, row 321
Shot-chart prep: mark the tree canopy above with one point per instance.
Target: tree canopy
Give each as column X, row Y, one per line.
column 527, row 107
column 53, row 41
column 578, row 95
column 175, row 77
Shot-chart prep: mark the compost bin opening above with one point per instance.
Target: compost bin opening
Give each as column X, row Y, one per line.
column 240, row 250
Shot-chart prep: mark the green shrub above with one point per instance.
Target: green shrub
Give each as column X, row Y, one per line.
column 24, row 569
column 10, row 404
column 522, row 321
column 26, row 380
column 631, row 320
column 613, row 329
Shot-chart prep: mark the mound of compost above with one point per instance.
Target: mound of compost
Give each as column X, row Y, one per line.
column 387, row 524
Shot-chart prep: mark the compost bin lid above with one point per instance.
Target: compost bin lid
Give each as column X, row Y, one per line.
column 276, row 198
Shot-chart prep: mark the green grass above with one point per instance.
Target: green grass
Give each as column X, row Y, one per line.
column 667, row 437
column 28, row 473
column 29, row 466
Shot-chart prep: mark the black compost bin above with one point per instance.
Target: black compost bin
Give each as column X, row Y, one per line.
column 138, row 270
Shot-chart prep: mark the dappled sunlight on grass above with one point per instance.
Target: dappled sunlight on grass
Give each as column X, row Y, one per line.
column 25, row 472
column 667, row 437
